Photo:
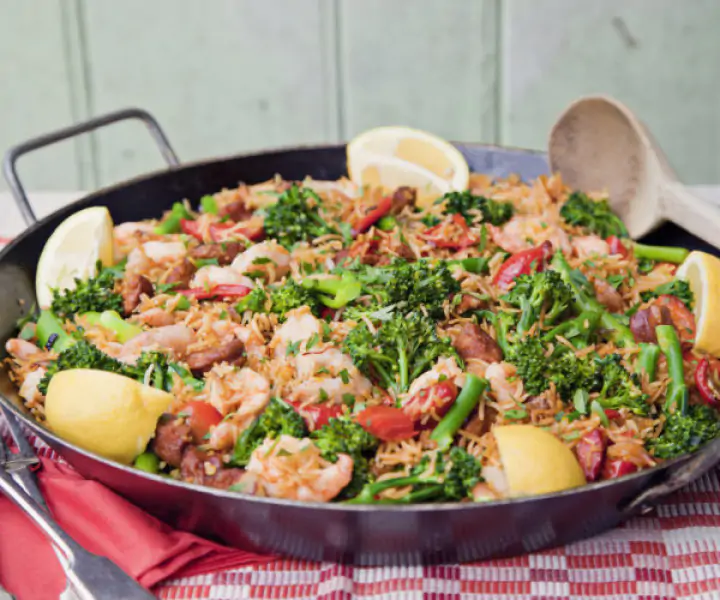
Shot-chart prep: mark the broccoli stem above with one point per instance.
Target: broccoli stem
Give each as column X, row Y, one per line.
column 647, row 360
column 209, row 205
column 48, row 325
column 148, row 462
column 677, row 393
column 335, row 292
column 587, row 316
column 466, row 401
column 620, row 333
column 661, row 253
column 368, row 493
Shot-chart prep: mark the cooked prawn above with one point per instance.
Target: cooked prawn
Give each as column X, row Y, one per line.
column 524, row 232
column 211, row 275
column 269, row 258
column 292, row 468
column 29, row 388
column 508, row 388
column 173, row 337
column 299, row 326
column 590, row 245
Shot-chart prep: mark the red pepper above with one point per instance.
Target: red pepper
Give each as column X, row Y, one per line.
column 387, row 423
column 591, row 453
column 327, row 313
column 201, row 417
column 523, row 263
column 435, row 399
column 617, row 247
column 218, row 291
column 317, row 415
column 190, row 227
column 454, row 234
column 618, row 468
column 217, row 231
column 611, row 413
column 704, row 384
column 374, row 214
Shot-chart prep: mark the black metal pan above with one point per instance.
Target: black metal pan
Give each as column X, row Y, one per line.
column 362, row 535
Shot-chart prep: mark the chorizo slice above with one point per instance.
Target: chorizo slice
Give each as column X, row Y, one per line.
column 471, row 341
column 181, row 274
column 132, row 289
column 204, row 469
column 203, row 360
column 644, row 322
column 608, row 296
column 171, row 438
column 224, row 253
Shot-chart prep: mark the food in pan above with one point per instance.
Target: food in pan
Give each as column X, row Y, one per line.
column 342, row 341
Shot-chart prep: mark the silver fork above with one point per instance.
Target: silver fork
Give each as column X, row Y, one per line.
column 93, row 577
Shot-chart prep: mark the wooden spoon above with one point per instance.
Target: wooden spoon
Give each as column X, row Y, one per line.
column 599, row 144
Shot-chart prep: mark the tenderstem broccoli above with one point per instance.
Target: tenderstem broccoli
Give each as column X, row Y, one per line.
column 677, row 392
column 669, row 254
column 594, row 215
column 94, row 294
column 295, row 217
column 686, row 433
column 647, row 360
column 493, row 212
column 467, row 400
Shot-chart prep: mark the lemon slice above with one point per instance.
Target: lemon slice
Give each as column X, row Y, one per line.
column 72, row 251
column 106, row 413
column 386, row 149
column 535, row 461
column 702, row 272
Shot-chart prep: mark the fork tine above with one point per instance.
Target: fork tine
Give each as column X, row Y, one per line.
column 24, row 475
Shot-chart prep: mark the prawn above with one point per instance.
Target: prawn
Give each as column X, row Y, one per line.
column 300, row 325
column 269, row 258
column 176, row 338
column 292, row 468
column 508, row 391
column 521, row 233
column 211, row 275
column 590, row 245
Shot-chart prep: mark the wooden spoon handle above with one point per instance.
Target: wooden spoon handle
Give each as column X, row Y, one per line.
column 691, row 212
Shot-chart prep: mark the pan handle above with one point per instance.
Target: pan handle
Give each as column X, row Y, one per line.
column 12, row 155
column 698, row 465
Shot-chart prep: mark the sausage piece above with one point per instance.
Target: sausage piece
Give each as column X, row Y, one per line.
column 644, row 322
column 402, row 197
column 181, row 274
column 236, row 211
column 202, row 361
column 608, row 296
column 134, row 287
column 203, row 469
column 472, row 342
column 223, row 253
column 171, row 438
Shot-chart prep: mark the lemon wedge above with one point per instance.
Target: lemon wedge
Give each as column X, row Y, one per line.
column 106, row 413
column 72, row 251
column 702, row 272
column 535, row 461
column 394, row 156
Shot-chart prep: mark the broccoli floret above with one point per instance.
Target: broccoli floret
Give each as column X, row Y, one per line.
column 81, row 355
column 683, row 434
column 295, row 217
column 676, row 287
column 539, row 293
column 94, row 294
column 277, row 419
column 291, row 296
column 594, row 215
column 493, row 212
column 155, row 366
column 619, row 389
column 528, row 356
column 452, row 480
column 344, row 436
column 254, row 301
column 401, row 349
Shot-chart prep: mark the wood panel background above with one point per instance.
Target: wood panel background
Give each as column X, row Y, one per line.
column 233, row 75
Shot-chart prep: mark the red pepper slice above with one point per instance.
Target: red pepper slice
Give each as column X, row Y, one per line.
column 374, row 214
column 201, row 416
column 591, row 454
column 616, row 246
column 190, row 227
column 453, row 233
column 218, row 291
column 618, row 468
column 611, row 413
column 218, row 231
column 317, row 415
column 387, row 423
column 437, row 399
column 704, row 384
column 523, row 263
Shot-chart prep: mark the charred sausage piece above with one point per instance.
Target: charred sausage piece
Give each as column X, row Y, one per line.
column 202, row 361
column 472, row 342
column 181, row 274
column 591, row 454
column 644, row 322
column 134, row 287
column 608, row 296
column 236, row 211
column 223, row 253
column 171, row 438
column 402, row 197
column 469, row 302
column 203, row 469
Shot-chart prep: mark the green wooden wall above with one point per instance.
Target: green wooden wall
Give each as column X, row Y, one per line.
column 224, row 76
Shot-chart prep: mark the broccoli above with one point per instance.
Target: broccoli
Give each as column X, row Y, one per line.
column 291, row 296
column 81, row 355
column 540, row 293
column 619, row 387
column 342, row 435
column 579, row 331
column 254, row 301
column 334, row 292
column 594, row 215
column 493, row 212
column 452, row 480
column 277, row 419
column 648, row 255
column 295, row 217
column 676, row 287
column 444, row 433
column 683, row 434
column 404, row 287
column 400, row 350
column 94, row 294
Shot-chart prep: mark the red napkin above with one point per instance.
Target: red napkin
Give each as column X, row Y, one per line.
column 106, row 524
